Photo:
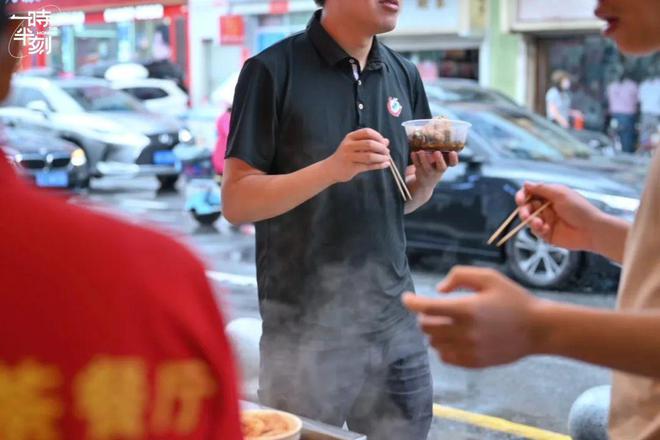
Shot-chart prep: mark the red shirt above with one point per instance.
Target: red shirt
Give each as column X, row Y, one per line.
column 109, row 331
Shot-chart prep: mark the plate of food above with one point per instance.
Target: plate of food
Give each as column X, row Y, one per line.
column 269, row 424
column 437, row 134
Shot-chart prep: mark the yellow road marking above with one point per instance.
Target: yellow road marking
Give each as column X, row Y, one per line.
column 495, row 424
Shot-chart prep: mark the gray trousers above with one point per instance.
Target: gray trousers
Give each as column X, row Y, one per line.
column 381, row 389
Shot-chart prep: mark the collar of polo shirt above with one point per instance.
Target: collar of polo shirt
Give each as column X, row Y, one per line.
column 333, row 52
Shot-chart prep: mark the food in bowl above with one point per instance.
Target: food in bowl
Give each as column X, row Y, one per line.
column 267, row 424
column 437, row 134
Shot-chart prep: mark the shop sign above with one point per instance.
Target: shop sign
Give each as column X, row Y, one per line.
column 430, row 17
column 545, row 15
column 67, row 5
column 232, row 29
column 67, row 18
column 279, row 7
column 543, row 10
column 143, row 12
column 473, row 18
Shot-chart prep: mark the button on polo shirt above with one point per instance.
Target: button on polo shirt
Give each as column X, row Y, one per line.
column 336, row 263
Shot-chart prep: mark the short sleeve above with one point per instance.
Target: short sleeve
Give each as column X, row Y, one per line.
column 421, row 109
column 254, row 117
column 552, row 97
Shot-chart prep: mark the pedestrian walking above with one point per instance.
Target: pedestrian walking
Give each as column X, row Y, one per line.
column 558, row 100
column 649, row 98
column 623, row 103
column 503, row 322
column 316, row 120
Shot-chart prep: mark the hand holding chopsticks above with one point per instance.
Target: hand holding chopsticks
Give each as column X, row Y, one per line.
column 517, row 229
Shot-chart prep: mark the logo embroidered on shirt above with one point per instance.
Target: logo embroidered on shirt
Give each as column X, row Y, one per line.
column 394, row 106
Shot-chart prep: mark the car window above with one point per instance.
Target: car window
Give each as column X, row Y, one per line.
column 146, row 93
column 463, row 93
column 523, row 135
column 30, row 94
column 100, row 98
column 21, row 96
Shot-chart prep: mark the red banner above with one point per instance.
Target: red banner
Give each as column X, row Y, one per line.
column 279, row 7
column 232, row 29
column 81, row 5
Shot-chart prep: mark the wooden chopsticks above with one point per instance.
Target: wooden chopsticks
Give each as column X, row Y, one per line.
column 517, row 229
column 400, row 182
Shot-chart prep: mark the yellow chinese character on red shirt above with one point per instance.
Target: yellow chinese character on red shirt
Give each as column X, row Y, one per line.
column 181, row 390
column 29, row 409
column 111, row 396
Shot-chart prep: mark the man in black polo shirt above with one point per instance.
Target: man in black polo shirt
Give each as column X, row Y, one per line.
column 315, row 120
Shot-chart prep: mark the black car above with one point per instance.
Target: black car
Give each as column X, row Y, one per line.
column 47, row 160
column 508, row 146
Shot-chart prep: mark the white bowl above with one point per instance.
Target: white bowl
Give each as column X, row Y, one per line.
column 293, row 422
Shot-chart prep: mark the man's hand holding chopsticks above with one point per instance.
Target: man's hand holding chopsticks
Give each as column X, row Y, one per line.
column 360, row 151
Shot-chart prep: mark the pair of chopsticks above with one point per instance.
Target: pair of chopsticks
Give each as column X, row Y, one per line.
column 517, row 229
column 400, row 182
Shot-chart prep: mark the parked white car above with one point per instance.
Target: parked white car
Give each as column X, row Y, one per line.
column 160, row 96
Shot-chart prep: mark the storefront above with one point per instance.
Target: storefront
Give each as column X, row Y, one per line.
column 569, row 39
column 442, row 37
column 224, row 33
column 97, row 32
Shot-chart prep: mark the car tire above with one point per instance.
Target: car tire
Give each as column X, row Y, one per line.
column 206, row 219
column 168, row 182
column 537, row 264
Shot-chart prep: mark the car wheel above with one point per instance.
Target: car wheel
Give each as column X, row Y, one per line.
column 168, row 182
column 206, row 219
column 538, row 264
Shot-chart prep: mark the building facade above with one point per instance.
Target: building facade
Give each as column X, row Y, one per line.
column 443, row 37
column 90, row 32
column 563, row 35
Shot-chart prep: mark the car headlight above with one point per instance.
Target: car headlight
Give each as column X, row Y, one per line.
column 78, row 157
column 620, row 206
column 185, row 136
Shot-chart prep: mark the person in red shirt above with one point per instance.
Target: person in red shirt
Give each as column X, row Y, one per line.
column 109, row 331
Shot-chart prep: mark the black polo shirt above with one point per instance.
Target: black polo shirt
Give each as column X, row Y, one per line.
column 336, row 263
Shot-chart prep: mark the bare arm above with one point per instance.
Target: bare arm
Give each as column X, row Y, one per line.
column 420, row 195
column 250, row 195
column 609, row 237
column 625, row 341
column 425, row 174
column 555, row 115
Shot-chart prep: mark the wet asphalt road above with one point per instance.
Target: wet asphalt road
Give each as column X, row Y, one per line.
column 537, row 391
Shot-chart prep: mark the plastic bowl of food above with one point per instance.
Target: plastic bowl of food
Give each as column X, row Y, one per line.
column 437, row 134
column 269, row 424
